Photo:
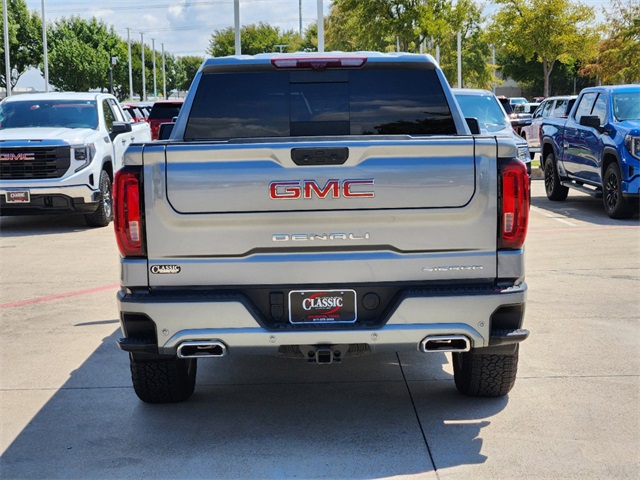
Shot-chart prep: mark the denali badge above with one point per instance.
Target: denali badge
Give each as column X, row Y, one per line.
column 306, row 189
column 303, row 237
column 17, row 156
column 165, row 269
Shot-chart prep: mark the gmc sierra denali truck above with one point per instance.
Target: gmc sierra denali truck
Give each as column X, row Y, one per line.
column 59, row 153
column 321, row 207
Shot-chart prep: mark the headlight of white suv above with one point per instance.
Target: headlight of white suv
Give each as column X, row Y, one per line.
column 633, row 145
column 83, row 154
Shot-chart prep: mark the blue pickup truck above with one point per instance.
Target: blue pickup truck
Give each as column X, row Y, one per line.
column 596, row 149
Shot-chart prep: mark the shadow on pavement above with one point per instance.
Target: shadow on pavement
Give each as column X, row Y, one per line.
column 579, row 206
column 28, row 225
column 260, row 417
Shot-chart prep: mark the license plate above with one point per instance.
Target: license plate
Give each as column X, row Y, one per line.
column 18, row 196
column 322, row 306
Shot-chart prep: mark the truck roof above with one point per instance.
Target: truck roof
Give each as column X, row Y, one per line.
column 614, row 88
column 79, row 96
column 266, row 58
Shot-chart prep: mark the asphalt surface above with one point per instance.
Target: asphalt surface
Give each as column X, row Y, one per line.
column 68, row 409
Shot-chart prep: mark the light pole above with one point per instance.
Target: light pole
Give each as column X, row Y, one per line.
column 164, row 75
column 320, row 28
column 144, row 86
column 130, row 71
column 153, row 49
column 236, row 23
column 7, row 64
column 44, row 45
column 113, row 60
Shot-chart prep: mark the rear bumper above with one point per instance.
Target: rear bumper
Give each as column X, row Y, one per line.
column 160, row 327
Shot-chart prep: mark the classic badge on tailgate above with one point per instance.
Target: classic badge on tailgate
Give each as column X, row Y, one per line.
column 322, row 306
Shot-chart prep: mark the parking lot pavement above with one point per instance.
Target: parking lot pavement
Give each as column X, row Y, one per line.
column 68, row 409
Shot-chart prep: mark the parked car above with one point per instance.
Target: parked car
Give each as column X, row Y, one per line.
column 59, row 153
column 518, row 120
column 163, row 111
column 492, row 119
column 517, row 101
column 596, row 149
column 319, row 207
column 555, row 107
column 134, row 111
column 528, row 107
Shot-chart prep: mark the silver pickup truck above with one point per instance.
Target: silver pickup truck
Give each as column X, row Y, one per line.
column 321, row 207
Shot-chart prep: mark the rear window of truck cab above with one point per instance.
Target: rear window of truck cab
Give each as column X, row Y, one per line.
column 310, row 103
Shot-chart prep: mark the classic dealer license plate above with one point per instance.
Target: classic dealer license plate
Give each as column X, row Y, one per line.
column 322, row 306
column 18, row 196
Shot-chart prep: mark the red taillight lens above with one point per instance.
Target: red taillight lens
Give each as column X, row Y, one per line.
column 514, row 212
column 128, row 212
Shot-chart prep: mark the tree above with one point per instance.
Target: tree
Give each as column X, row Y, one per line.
column 384, row 25
column 548, row 31
column 256, row 38
column 464, row 17
column 378, row 25
column 189, row 66
column 25, row 40
column 80, row 54
column 613, row 61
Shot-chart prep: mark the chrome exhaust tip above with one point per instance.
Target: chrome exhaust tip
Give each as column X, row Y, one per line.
column 202, row 349
column 445, row 343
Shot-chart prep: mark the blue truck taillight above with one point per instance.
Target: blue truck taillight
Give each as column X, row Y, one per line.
column 514, row 205
column 128, row 217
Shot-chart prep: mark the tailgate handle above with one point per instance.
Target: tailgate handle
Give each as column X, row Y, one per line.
column 320, row 156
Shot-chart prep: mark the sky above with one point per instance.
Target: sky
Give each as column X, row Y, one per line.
column 185, row 26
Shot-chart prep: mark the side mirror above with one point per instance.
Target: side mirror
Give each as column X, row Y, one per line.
column 164, row 131
column 474, row 126
column 592, row 121
column 119, row 127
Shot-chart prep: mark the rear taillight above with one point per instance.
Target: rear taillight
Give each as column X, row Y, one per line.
column 128, row 212
column 317, row 63
column 514, row 211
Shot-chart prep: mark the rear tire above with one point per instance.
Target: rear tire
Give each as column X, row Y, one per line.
column 168, row 380
column 614, row 203
column 554, row 189
column 485, row 375
column 104, row 213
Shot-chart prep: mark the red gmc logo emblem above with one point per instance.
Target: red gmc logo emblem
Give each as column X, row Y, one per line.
column 17, row 156
column 294, row 189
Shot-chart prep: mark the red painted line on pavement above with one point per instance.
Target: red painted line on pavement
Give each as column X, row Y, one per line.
column 586, row 229
column 57, row 297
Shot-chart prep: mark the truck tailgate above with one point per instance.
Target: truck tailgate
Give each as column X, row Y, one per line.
column 396, row 210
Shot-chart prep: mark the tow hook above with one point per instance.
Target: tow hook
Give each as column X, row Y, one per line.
column 324, row 356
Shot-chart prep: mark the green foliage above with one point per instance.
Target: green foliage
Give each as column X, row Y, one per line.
column 614, row 61
column 547, row 31
column 380, row 24
column 564, row 79
column 383, row 25
column 80, row 53
column 25, row 40
column 188, row 67
column 256, row 38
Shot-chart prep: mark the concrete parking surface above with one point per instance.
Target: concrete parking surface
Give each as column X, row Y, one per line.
column 69, row 411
